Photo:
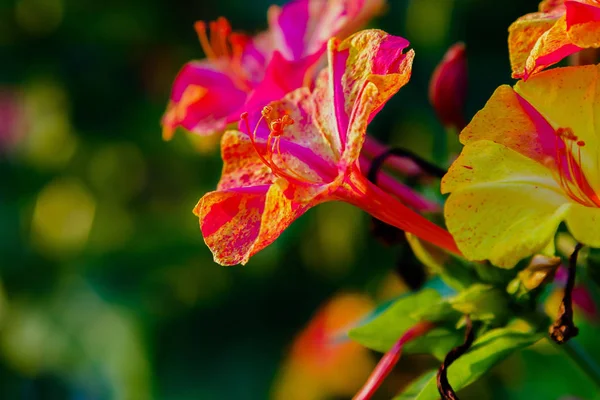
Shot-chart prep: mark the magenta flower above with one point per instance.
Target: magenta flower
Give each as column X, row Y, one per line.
column 242, row 73
column 303, row 150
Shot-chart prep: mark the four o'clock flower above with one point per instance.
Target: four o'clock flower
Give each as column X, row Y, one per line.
column 530, row 161
column 304, row 150
column 242, row 72
column 560, row 28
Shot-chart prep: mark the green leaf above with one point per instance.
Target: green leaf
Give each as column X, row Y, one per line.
column 481, row 302
column 413, row 391
column 487, row 351
column 382, row 332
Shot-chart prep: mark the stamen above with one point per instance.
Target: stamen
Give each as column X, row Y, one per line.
column 569, row 168
column 273, row 145
column 200, row 27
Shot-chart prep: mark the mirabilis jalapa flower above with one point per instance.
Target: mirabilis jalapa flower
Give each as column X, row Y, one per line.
column 531, row 160
column 303, row 150
column 559, row 29
column 242, row 72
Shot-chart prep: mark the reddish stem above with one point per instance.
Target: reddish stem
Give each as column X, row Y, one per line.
column 389, row 360
column 372, row 148
column 403, row 192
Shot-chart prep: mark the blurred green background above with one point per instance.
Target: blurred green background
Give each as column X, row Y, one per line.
column 107, row 290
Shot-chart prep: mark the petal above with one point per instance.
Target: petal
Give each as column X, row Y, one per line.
column 583, row 22
column 242, row 167
column 551, row 47
column 368, row 56
column 281, row 77
column 510, row 120
column 203, row 100
column 303, row 27
column 236, row 224
column 523, row 34
column 584, row 224
column 503, row 206
column 230, row 223
column 301, row 150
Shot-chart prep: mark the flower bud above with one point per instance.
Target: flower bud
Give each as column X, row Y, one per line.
column 448, row 87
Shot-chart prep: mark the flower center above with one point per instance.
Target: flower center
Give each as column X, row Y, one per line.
column 273, row 144
column 223, row 44
column 570, row 173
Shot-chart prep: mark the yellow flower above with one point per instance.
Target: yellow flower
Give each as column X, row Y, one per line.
column 531, row 160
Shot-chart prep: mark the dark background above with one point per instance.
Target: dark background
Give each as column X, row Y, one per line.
column 106, row 287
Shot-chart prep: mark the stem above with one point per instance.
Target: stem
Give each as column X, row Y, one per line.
column 389, row 360
column 426, row 166
column 564, row 328
column 407, row 167
column 403, row 192
column 444, row 387
column 357, row 190
column 583, row 361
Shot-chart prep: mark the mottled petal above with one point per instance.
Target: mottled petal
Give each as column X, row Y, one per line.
column 551, row 47
column 238, row 223
column 368, row 56
column 301, row 151
column 230, row 222
column 503, row 206
column 523, row 35
column 583, row 22
column 204, row 99
column 242, row 167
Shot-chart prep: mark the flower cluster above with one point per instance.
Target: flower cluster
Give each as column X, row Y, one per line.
column 303, row 94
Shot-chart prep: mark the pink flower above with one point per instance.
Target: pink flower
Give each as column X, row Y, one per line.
column 304, row 150
column 241, row 73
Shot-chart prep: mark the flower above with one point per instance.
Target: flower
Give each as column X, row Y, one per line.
column 558, row 29
column 323, row 362
column 242, row 72
column 530, row 161
column 304, row 150
column 448, row 87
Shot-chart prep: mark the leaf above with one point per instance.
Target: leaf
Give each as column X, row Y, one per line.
column 382, row 332
column 453, row 270
column 413, row 391
column 487, row 351
column 481, row 302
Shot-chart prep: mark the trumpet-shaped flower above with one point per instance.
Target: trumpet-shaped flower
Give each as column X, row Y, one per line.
column 303, row 150
column 242, row 72
column 530, row 161
column 558, row 29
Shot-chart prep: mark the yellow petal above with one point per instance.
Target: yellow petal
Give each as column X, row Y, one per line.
column 505, row 121
column 504, row 206
column 584, row 224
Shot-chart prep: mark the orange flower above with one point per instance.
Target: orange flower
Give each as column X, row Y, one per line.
column 558, row 29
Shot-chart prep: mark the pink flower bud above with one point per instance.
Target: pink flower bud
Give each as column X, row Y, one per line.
column 448, row 87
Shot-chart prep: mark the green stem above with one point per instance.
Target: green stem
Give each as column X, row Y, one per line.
column 583, row 360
